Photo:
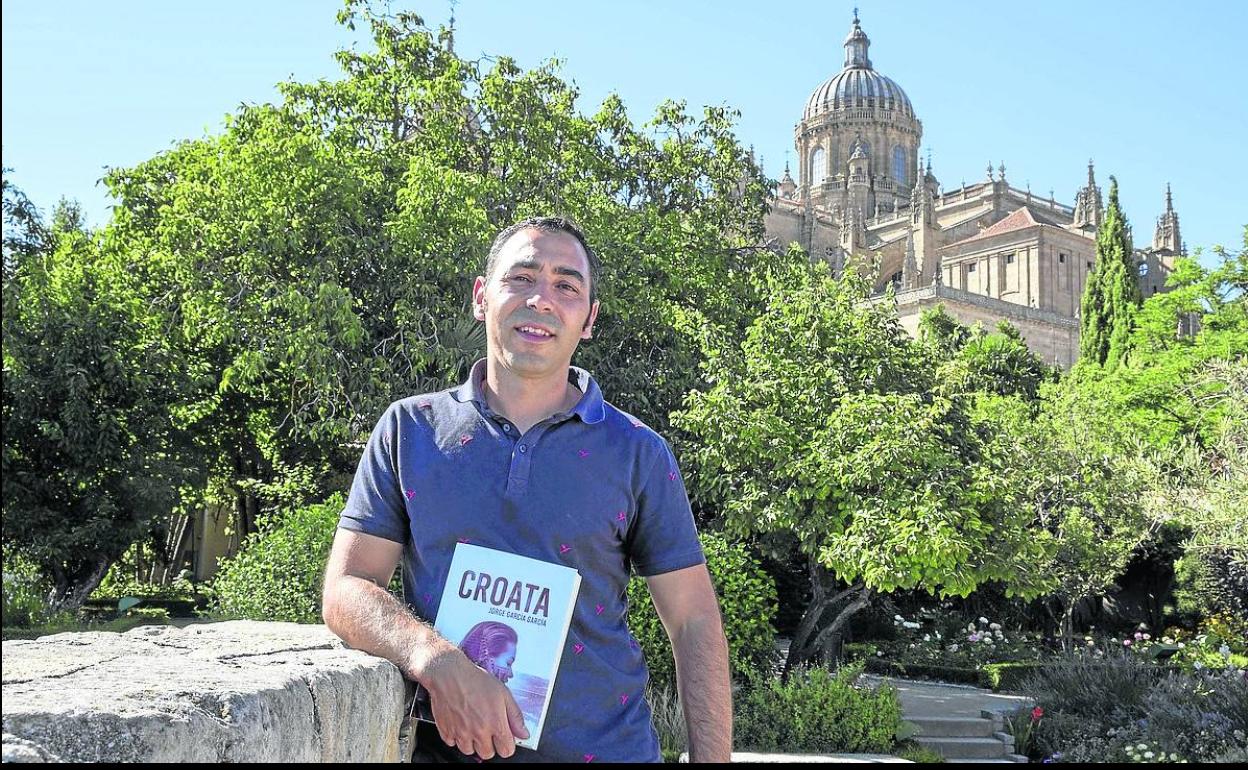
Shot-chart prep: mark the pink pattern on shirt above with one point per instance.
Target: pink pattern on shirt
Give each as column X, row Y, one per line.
column 624, row 699
column 598, row 609
column 578, row 648
column 583, row 453
column 589, row 757
column 410, row 493
column 564, row 548
column 464, row 439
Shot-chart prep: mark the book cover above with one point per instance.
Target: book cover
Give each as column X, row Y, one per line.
column 510, row 615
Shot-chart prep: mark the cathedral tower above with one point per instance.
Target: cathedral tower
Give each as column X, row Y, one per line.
column 857, row 109
column 1166, row 237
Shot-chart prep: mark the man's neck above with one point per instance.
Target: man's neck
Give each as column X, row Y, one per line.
column 526, row 402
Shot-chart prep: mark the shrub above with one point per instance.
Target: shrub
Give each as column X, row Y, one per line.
column 1106, row 710
column 747, row 601
column 669, row 722
column 1211, row 583
column 817, row 711
column 25, row 591
column 278, row 572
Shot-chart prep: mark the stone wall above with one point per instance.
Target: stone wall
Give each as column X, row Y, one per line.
column 236, row 691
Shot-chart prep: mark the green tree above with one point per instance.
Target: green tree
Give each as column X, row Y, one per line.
column 315, row 259
column 1112, row 293
column 821, row 432
column 90, row 457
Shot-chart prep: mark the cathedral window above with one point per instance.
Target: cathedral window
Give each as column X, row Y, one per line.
column 1061, row 258
column 970, row 268
column 818, row 166
column 1009, row 259
column 899, row 164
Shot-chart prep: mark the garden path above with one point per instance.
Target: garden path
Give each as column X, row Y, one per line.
column 937, row 699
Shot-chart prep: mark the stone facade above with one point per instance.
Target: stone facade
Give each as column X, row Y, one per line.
column 987, row 246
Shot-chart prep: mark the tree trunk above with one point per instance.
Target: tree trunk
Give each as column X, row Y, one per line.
column 69, row 594
column 813, row 638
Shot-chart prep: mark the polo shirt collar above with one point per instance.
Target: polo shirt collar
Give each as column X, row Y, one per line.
column 590, row 408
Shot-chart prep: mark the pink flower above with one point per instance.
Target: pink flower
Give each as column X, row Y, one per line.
column 1126, row 642
column 1036, row 713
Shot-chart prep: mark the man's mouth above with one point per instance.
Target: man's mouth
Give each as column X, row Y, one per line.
column 534, row 333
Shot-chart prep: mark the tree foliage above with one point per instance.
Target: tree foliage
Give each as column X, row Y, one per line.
column 90, row 456
column 823, row 427
column 1112, row 293
column 266, row 291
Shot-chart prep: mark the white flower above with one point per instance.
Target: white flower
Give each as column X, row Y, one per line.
column 970, row 627
column 1174, row 757
column 898, row 618
column 984, row 621
column 994, row 626
column 1141, row 747
column 1148, row 755
column 1226, row 651
column 910, row 624
column 953, row 648
column 927, row 637
column 998, row 634
column 879, row 653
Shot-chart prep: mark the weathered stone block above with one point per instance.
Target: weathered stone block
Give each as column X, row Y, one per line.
column 212, row 692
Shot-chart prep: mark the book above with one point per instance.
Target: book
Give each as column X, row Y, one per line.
column 510, row 615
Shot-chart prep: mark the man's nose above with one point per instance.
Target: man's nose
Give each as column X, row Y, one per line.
column 540, row 300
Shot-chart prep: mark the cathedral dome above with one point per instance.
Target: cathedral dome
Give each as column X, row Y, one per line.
column 857, row 85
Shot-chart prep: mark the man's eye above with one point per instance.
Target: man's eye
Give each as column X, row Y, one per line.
column 568, row 286
column 520, row 278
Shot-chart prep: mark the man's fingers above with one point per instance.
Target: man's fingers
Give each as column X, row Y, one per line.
column 515, row 718
column 504, row 745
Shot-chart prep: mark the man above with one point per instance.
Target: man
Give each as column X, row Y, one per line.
column 527, row 457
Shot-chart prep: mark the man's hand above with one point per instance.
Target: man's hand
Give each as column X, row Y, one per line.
column 473, row 711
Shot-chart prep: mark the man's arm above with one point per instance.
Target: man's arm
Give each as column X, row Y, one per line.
column 685, row 600
column 473, row 710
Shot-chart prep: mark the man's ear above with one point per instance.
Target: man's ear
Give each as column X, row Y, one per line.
column 478, row 298
column 588, row 330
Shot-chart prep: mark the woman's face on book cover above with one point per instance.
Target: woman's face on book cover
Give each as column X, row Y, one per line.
column 500, row 665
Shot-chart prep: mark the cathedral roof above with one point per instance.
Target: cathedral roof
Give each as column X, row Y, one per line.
column 1021, row 219
column 858, row 84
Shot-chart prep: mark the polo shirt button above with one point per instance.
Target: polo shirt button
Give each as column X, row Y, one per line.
column 507, row 427
column 523, row 449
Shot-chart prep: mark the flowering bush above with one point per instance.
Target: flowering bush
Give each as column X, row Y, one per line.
column 1122, row 707
column 970, row 646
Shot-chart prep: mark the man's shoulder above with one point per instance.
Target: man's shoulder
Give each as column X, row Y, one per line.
column 421, row 409
column 630, row 428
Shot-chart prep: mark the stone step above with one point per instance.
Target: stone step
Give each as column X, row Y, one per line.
column 964, row 748
column 953, row 727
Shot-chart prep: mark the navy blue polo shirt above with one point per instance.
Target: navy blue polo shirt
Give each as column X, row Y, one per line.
column 593, row 489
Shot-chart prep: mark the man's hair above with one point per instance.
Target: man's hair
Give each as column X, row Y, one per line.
column 547, row 225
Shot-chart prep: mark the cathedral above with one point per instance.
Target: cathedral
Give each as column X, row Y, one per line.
column 987, row 251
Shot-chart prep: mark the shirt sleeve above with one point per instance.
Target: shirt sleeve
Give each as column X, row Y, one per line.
column 375, row 505
column 663, row 537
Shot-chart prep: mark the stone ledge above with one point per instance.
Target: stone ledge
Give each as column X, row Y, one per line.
column 213, row 692
column 749, row 756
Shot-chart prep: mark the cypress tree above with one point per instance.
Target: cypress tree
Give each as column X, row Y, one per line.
column 1112, row 294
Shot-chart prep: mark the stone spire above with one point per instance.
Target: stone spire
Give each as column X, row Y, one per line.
column 910, row 267
column 921, row 204
column 787, row 186
column 856, row 46
column 1166, row 236
column 1088, row 207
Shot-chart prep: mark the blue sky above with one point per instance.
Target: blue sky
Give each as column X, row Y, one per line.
column 1153, row 91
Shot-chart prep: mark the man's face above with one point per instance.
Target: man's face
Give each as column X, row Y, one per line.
column 536, row 304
